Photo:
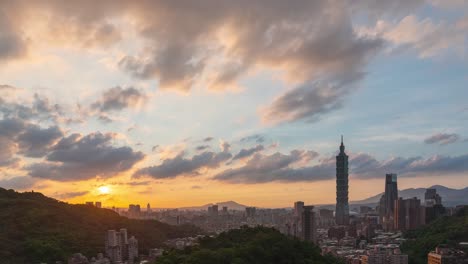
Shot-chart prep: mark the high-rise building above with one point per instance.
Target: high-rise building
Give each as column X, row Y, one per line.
column 431, row 197
column 342, row 206
column 309, row 231
column 148, row 208
column 98, row 204
column 298, row 208
column 113, row 249
column 132, row 249
column 409, row 214
column 387, row 202
column 90, row 203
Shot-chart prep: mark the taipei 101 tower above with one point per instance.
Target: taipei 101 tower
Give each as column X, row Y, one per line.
column 342, row 206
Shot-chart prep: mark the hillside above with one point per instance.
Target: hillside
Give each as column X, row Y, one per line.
column 450, row 197
column 35, row 228
column 446, row 230
column 258, row 245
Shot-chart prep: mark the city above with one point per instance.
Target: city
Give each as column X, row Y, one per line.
column 233, row 132
column 368, row 235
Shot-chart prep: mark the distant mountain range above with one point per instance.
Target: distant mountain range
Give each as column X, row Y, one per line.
column 231, row 205
column 450, row 197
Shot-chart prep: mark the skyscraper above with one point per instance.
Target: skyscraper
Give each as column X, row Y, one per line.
column 309, row 232
column 387, row 202
column 342, row 206
column 298, row 207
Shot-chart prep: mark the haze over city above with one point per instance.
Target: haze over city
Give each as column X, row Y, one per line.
column 176, row 104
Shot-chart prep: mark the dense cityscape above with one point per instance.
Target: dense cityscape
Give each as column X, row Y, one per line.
column 369, row 235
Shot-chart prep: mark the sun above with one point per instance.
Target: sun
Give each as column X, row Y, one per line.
column 104, row 189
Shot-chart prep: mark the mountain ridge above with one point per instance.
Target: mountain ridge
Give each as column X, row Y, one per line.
column 450, row 196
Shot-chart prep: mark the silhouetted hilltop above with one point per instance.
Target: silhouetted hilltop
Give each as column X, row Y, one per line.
column 35, row 228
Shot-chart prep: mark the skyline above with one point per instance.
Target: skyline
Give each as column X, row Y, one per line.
column 181, row 105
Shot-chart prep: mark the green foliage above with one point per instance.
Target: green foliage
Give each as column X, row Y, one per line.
column 35, row 228
column 445, row 230
column 249, row 245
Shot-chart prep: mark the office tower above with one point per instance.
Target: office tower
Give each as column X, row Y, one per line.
column 431, row 197
column 409, row 214
column 98, row 204
column 298, row 207
column 342, row 206
column 309, row 232
column 387, row 202
column 148, row 208
column 214, row 210
column 90, row 203
column 132, row 249
column 225, row 210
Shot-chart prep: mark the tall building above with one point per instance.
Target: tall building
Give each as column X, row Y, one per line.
column 298, row 208
column 98, row 204
column 250, row 211
column 148, row 208
column 431, row 197
column 387, row 202
column 309, row 231
column 409, row 214
column 132, row 249
column 342, row 206
column 113, row 249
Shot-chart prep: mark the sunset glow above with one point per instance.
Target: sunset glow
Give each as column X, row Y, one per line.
column 136, row 102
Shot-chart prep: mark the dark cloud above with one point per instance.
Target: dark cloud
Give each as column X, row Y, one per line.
column 278, row 167
column 180, row 166
column 154, row 148
column 138, row 183
column 208, row 139
column 244, row 153
column 442, row 139
column 79, row 157
column 285, row 168
column 12, row 44
column 202, row 147
column 118, row 98
column 257, row 138
column 36, row 142
column 69, row 195
column 18, row 183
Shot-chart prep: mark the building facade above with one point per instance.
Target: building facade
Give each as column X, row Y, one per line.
column 342, row 206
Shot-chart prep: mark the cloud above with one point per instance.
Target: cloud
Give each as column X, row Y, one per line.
column 69, row 195
column 366, row 166
column 208, row 139
column 181, row 166
column 118, row 98
column 296, row 167
column 442, row 139
column 244, row 153
column 278, row 167
column 12, row 44
column 18, row 183
column 197, row 187
column 202, row 147
column 78, row 157
column 257, row 138
column 36, row 142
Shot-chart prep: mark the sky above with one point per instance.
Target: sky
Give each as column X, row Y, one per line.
column 181, row 103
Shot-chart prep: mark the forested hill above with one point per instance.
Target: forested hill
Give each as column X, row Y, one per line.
column 35, row 228
column 260, row 245
column 446, row 230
